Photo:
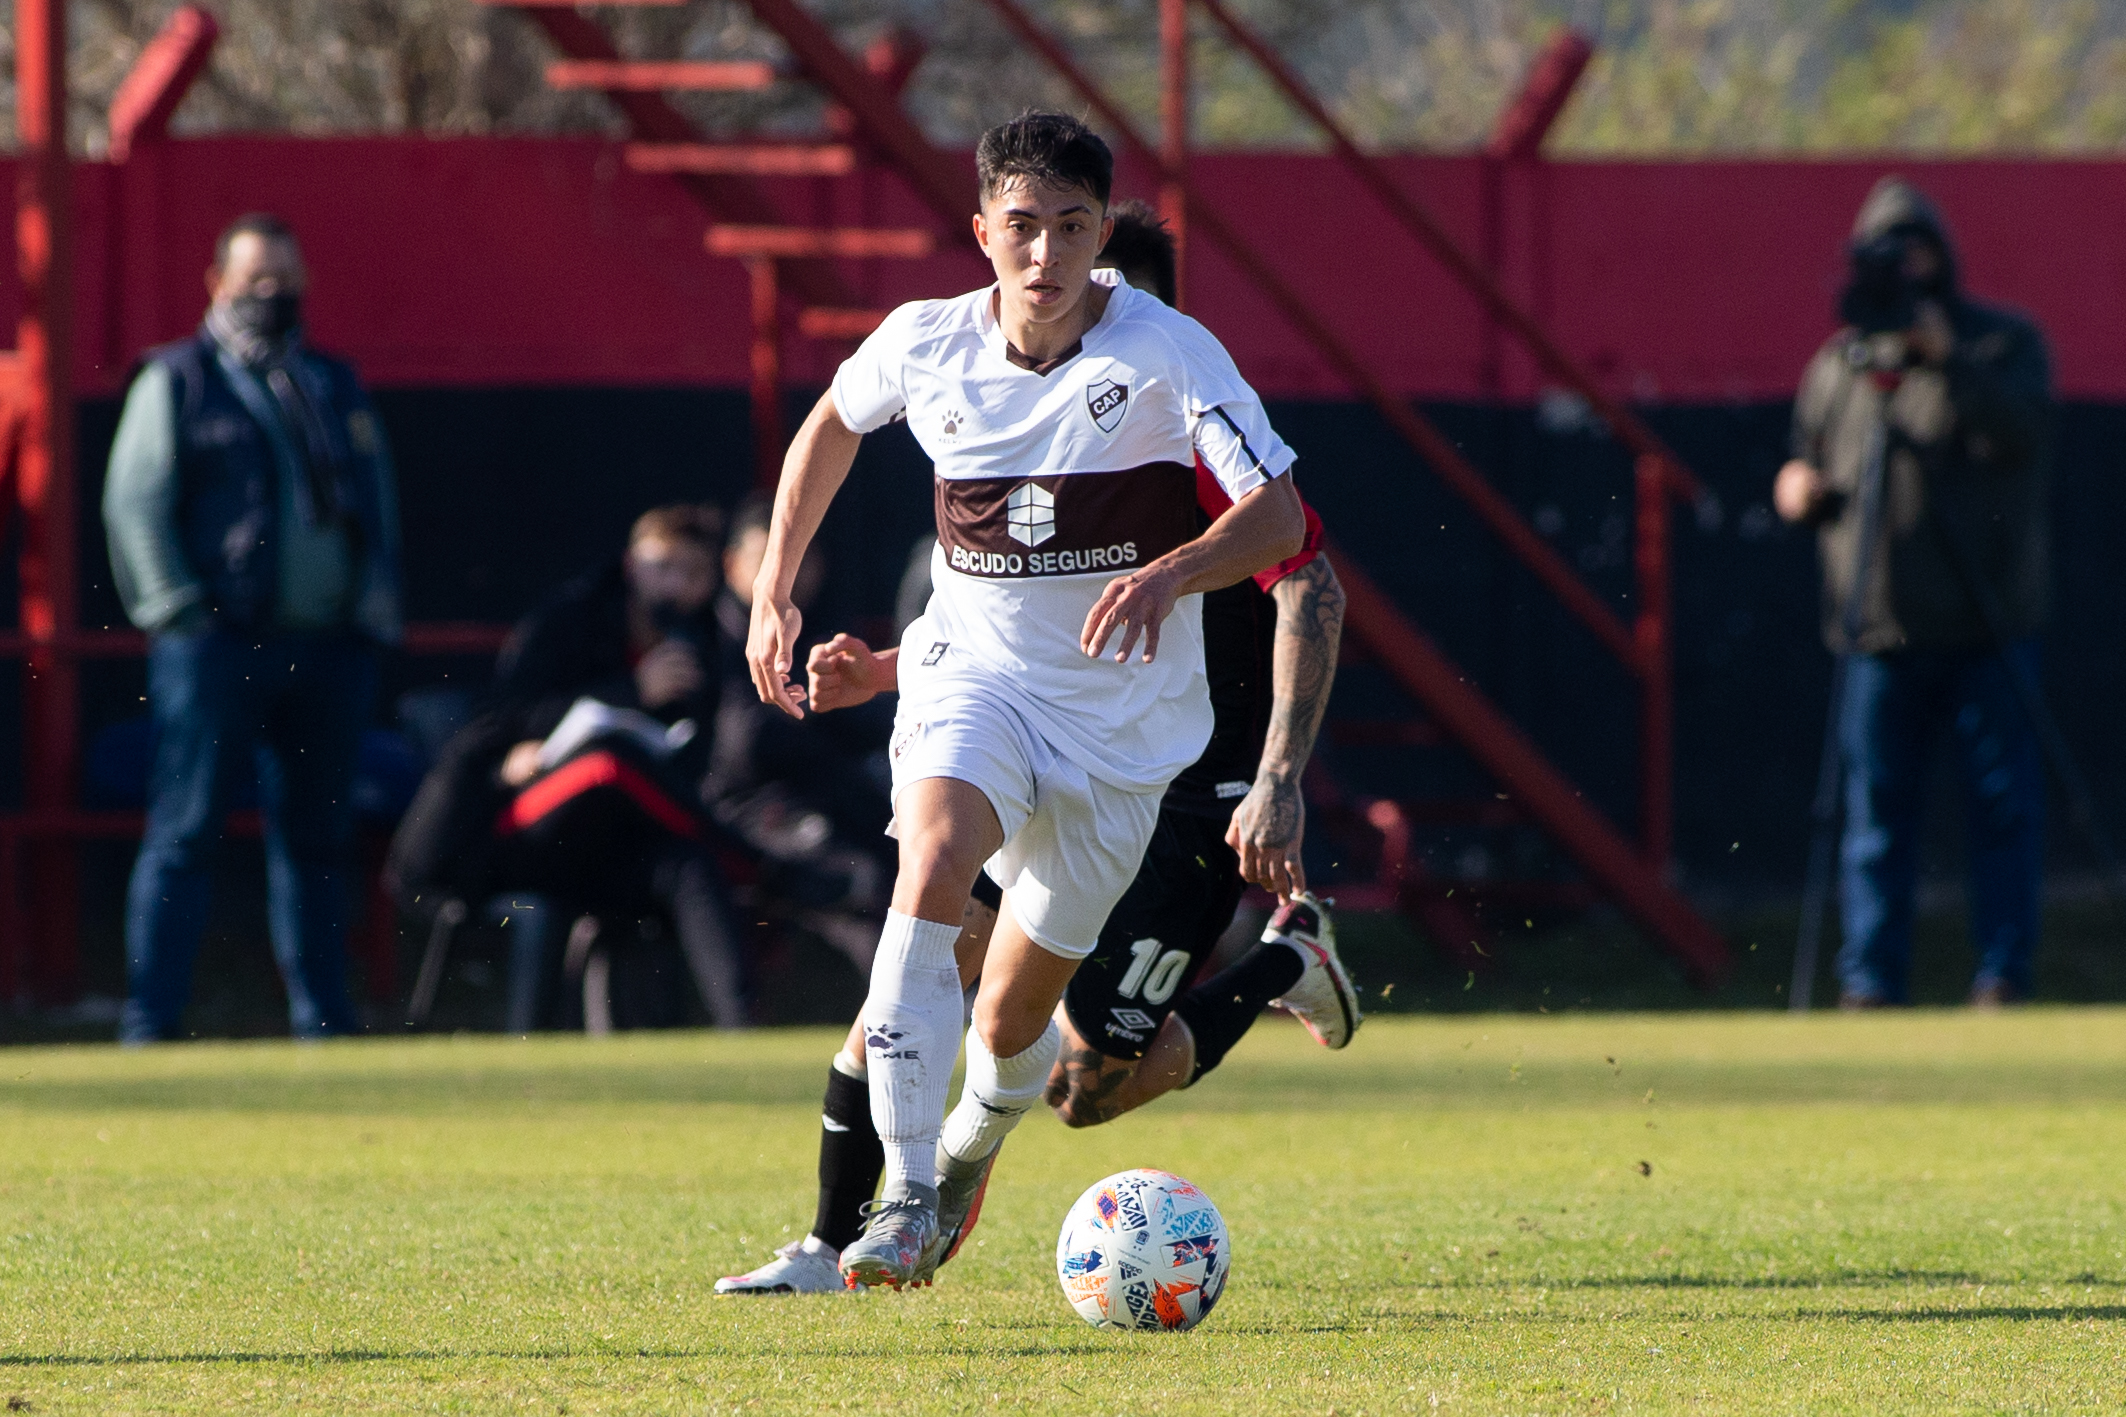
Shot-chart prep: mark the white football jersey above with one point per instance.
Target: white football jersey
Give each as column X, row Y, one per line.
column 1048, row 486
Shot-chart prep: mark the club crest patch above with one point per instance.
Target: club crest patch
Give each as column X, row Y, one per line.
column 1107, row 401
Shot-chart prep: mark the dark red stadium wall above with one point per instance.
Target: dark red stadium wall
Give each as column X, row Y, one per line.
column 556, row 353
column 437, row 264
column 492, row 262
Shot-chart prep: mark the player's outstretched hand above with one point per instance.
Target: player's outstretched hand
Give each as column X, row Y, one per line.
column 771, row 653
column 1268, row 829
column 1137, row 605
column 843, row 673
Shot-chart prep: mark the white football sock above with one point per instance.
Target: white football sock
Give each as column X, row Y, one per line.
column 911, row 1023
column 999, row 1091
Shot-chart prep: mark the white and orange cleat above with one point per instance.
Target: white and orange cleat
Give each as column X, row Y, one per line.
column 900, row 1245
column 1324, row 999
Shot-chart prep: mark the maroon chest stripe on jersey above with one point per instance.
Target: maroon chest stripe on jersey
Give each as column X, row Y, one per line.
column 1070, row 524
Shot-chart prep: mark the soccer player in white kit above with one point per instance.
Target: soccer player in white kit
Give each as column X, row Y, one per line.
column 1055, row 683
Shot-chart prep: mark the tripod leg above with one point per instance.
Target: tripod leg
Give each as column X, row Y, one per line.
column 1823, row 840
column 449, row 915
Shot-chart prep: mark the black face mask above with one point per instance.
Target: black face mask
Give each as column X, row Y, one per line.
column 267, row 316
column 674, row 621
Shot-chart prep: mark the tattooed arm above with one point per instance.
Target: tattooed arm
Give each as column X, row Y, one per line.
column 1269, row 826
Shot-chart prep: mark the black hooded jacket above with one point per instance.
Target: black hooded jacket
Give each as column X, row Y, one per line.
column 1966, row 472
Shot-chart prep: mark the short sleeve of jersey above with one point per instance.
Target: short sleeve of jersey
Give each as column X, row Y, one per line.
column 1308, row 550
column 1227, row 423
column 1211, row 497
column 869, row 389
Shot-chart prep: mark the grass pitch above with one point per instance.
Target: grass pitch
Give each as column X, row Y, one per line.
column 1915, row 1213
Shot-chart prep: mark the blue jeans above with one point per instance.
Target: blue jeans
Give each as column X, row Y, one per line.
column 292, row 709
column 1895, row 708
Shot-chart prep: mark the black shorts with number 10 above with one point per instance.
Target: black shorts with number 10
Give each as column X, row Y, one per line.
column 1158, row 934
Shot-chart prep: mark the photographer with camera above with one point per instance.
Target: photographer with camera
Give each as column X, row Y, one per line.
column 1922, row 436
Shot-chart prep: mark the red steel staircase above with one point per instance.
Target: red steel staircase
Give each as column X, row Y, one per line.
column 867, row 125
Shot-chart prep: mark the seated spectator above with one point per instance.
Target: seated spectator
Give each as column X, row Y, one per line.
column 809, row 796
column 576, row 782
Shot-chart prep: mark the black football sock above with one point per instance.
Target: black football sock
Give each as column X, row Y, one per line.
column 851, row 1159
column 1221, row 1009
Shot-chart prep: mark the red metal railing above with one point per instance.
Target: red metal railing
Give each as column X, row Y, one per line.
column 38, row 927
column 1524, row 123
column 726, row 196
column 41, row 469
column 39, row 875
column 777, row 255
column 866, row 111
column 1634, row 878
column 1657, row 470
column 142, row 107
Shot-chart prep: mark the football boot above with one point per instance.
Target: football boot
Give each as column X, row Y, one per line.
column 961, row 1186
column 899, row 1247
column 804, row 1266
column 1324, row 999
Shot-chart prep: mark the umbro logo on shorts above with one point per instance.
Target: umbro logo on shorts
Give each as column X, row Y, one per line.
column 1130, row 1023
column 937, row 652
column 1107, row 401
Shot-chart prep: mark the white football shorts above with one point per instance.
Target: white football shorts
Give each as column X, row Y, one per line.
column 1072, row 843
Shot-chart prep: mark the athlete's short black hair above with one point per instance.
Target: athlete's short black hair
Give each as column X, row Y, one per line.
column 1052, row 149
column 1142, row 245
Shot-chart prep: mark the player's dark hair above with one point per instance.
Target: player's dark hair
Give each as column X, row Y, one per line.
column 695, row 524
column 264, row 225
column 1142, row 245
column 755, row 513
column 1052, row 149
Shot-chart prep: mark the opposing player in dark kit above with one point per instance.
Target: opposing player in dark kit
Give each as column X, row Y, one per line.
column 1131, row 1031
column 1055, row 685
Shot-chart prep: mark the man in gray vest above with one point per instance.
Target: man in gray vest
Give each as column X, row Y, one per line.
column 254, row 536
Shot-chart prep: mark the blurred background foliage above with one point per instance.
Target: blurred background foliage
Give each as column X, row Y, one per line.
column 1669, row 76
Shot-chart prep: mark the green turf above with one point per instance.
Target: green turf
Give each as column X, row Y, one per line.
column 1738, row 1213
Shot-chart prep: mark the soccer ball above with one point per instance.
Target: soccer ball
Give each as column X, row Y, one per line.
column 1143, row 1249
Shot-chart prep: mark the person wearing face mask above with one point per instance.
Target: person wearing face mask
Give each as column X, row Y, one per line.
column 576, row 781
column 251, row 514
column 1922, row 458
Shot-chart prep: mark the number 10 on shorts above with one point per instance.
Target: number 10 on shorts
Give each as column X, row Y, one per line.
column 1159, row 980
